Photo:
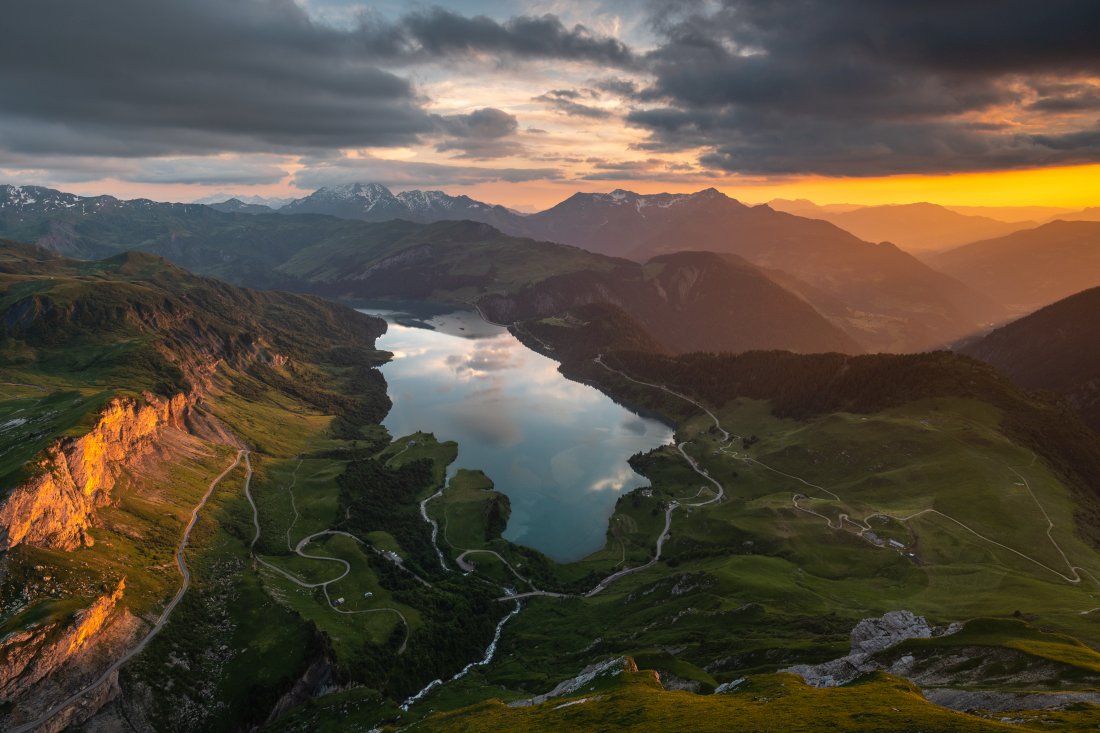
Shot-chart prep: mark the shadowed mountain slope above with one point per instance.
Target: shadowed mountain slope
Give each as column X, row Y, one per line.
column 1056, row 348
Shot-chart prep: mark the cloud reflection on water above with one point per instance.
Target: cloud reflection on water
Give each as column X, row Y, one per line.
column 557, row 448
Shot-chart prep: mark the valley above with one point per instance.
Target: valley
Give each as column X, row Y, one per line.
column 413, row 525
column 677, row 366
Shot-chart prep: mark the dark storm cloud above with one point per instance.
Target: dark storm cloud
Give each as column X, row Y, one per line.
column 142, row 77
column 160, row 77
column 481, row 124
column 439, row 32
column 859, row 87
column 1066, row 98
column 481, row 134
column 616, row 86
column 567, row 101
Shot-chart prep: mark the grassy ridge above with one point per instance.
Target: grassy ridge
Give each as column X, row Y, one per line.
column 781, row 703
column 286, row 374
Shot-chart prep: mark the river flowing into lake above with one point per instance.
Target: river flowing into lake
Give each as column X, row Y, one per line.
column 557, row 448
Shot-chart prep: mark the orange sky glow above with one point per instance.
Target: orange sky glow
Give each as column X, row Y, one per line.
column 1071, row 187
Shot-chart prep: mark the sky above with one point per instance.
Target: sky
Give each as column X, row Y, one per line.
column 523, row 102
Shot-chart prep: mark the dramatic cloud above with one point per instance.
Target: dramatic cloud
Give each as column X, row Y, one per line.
column 1066, row 98
column 481, row 134
column 567, row 102
column 412, row 174
column 438, row 32
column 856, row 87
column 146, row 77
column 159, row 77
column 239, row 92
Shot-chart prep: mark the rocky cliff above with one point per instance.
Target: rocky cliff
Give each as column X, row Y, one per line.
column 56, row 506
column 869, row 637
column 28, row 656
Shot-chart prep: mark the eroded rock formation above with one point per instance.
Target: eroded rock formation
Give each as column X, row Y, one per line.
column 28, row 656
column 56, row 506
column 870, row 636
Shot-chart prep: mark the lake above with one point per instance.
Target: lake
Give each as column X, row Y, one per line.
column 557, row 448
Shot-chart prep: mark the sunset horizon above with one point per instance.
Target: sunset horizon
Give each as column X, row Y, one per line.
column 523, row 103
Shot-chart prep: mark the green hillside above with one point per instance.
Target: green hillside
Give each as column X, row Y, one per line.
column 993, row 527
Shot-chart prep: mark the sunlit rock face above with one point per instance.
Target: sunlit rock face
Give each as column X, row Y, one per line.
column 30, row 655
column 55, row 507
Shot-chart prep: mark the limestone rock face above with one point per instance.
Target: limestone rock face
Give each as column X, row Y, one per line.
column 870, row 636
column 875, row 634
column 28, row 656
column 55, row 507
column 609, row 668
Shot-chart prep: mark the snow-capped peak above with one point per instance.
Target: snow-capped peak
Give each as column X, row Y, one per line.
column 369, row 192
column 44, row 199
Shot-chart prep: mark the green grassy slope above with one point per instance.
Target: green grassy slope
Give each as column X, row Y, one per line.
column 768, row 704
column 943, row 458
column 285, row 373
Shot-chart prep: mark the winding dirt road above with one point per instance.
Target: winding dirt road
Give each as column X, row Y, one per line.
column 861, row 527
column 301, row 553
column 672, row 506
column 181, row 562
column 725, row 434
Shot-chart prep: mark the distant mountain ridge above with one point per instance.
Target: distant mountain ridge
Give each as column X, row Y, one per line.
column 374, row 202
column 1056, row 348
column 917, row 227
column 687, row 301
column 1029, row 269
column 881, row 297
column 891, row 301
column 236, row 206
column 32, row 200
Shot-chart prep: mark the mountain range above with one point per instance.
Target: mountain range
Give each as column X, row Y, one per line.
column 920, row 227
column 890, row 300
column 881, row 297
column 374, row 202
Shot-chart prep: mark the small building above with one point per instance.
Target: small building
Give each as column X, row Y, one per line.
column 897, row 545
column 368, row 594
column 338, row 601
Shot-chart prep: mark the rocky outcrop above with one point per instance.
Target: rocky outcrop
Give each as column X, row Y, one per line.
column 869, row 637
column 313, row 680
column 610, row 668
column 28, row 656
column 1000, row 702
column 56, row 506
